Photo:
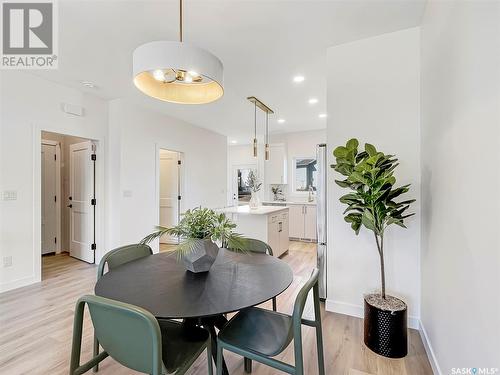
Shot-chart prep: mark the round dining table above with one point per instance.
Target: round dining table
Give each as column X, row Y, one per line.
column 160, row 284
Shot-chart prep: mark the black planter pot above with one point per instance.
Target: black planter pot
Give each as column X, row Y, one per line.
column 386, row 331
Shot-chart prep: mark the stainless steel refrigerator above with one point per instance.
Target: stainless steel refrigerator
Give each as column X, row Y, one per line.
column 321, row 228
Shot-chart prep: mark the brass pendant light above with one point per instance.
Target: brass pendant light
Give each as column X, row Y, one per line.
column 265, row 108
column 266, row 152
column 255, row 130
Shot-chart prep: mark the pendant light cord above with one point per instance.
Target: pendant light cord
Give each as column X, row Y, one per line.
column 180, row 20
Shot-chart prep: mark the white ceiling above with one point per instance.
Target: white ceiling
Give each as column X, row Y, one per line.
column 262, row 44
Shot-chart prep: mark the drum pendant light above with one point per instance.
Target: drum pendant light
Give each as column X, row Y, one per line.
column 178, row 72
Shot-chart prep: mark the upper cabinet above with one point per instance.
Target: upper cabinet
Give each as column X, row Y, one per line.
column 276, row 166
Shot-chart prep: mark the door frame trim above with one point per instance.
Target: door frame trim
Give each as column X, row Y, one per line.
column 58, row 191
column 37, row 193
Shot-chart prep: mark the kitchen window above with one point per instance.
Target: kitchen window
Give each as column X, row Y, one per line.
column 305, row 174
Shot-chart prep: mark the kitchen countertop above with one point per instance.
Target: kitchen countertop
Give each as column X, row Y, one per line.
column 245, row 210
column 313, row 203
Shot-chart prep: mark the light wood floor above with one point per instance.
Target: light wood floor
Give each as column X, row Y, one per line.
column 36, row 327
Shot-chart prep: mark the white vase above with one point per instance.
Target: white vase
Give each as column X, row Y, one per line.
column 254, row 201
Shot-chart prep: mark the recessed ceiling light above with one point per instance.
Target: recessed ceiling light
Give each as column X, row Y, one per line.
column 234, row 142
column 313, row 101
column 322, row 115
column 281, row 120
column 298, row 79
column 88, row 84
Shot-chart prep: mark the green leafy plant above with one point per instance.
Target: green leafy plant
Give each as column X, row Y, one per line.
column 370, row 176
column 201, row 224
column 253, row 181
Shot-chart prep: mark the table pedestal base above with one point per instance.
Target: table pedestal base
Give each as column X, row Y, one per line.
column 210, row 324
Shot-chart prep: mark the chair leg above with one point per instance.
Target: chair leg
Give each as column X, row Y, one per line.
column 209, row 357
column 274, row 304
column 96, row 352
column 248, row 365
column 219, row 359
column 319, row 333
column 319, row 346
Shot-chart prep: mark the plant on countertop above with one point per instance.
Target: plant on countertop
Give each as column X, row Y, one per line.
column 253, row 182
column 201, row 224
column 370, row 176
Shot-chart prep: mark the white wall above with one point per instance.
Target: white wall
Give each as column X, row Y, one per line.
column 461, row 183
column 373, row 95
column 298, row 144
column 127, row 139
column 30, row 104
column 141, row 132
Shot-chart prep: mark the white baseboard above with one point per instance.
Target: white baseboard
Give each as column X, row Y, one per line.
column 358, row 311
column 5, row 287
column 428, row 349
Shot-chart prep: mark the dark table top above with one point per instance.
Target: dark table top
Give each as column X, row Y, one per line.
column 160, row 284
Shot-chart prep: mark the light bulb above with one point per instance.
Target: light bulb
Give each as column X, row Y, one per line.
column 159, row 75
column 313, row 101
column 188, row 78
column 193, row 74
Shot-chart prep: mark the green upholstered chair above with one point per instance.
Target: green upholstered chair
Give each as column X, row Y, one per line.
column 257, row 246
column 133, row 337
column 259, row 334
column 116, row 258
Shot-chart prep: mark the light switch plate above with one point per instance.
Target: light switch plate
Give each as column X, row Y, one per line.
column 7, row 261
column 9, row 195
column 127, row 193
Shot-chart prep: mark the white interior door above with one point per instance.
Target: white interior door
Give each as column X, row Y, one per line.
column 81, row 187
column 49, row 193
column 240, row 174
column 169, row 192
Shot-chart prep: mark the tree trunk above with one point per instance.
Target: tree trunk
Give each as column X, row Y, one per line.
column 380, row 248
column 382, row 266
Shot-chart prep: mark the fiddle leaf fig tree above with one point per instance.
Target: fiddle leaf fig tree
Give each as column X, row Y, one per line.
column 369, row 174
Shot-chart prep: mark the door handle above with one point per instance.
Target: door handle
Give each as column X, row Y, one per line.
column 70, row 205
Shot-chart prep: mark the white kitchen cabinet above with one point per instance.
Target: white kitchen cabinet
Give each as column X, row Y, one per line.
column 310, row 222
column 276, row 166
column 302, row 221
column 266, row 223
column 284, row 234
column 278, row 236
column 296, row 218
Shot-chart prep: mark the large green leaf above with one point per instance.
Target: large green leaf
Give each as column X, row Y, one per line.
column 352, row 144
column 370, row 149
column 340, row 152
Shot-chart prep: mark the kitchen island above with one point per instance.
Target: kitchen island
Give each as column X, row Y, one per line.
column 266, row 223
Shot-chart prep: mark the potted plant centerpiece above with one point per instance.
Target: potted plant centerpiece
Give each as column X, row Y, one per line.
column 254, row 184
column 201, row 230
column 369, row 175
